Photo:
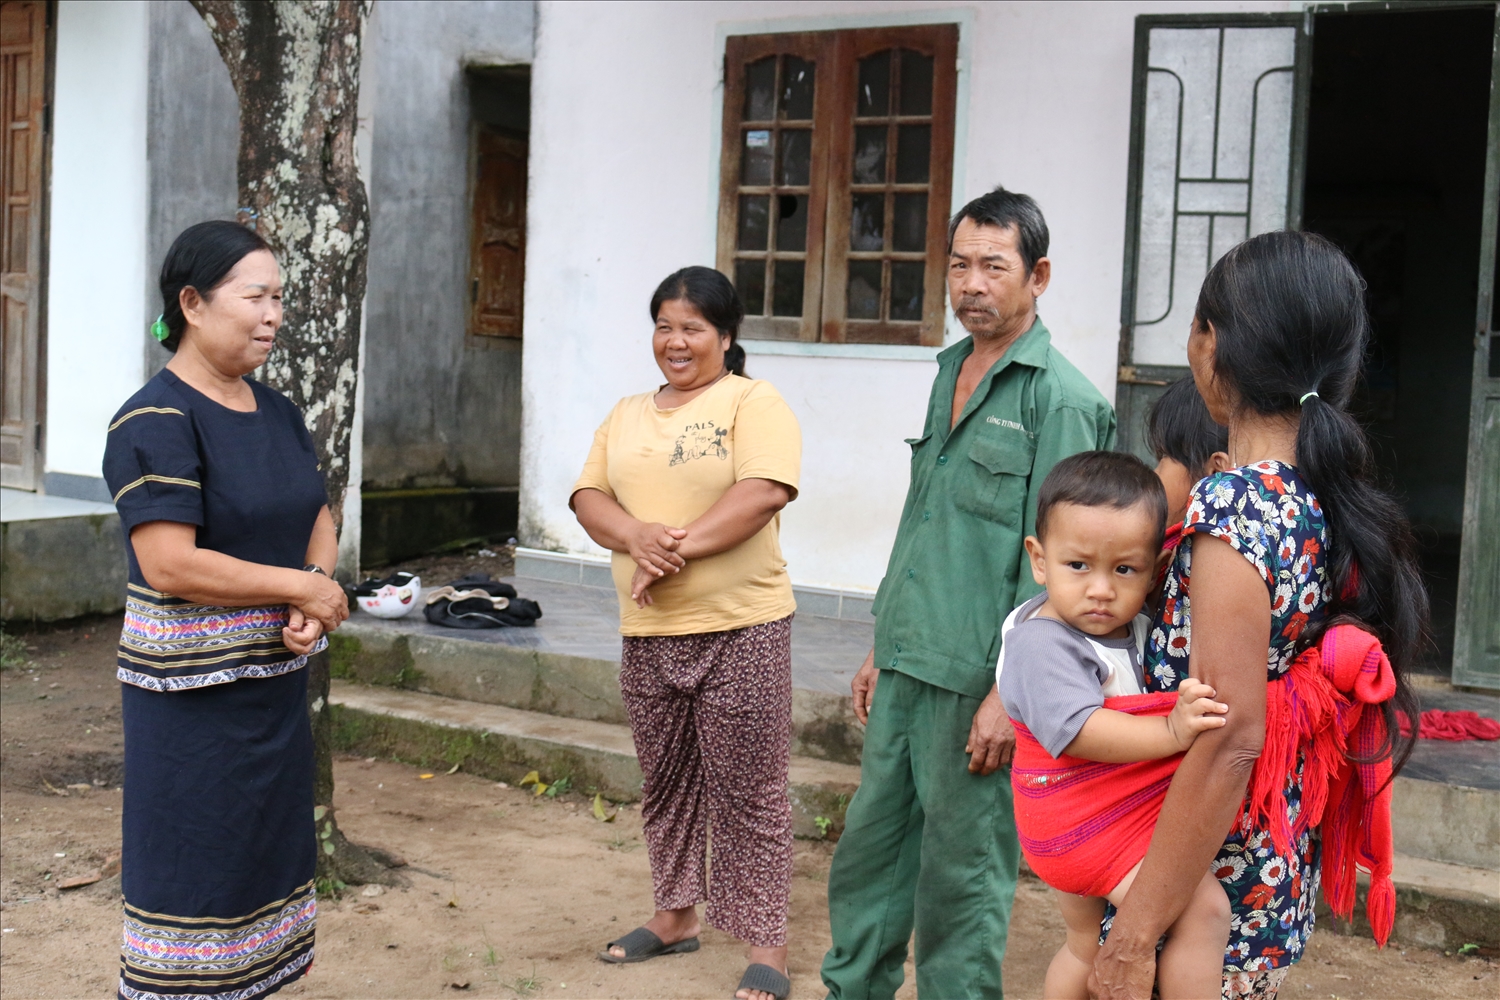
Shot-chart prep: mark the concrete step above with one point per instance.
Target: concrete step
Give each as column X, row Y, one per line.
column 1445, row 806
column 503, row 743
column 59, row 557
column 569, row 665
column 1438, row 905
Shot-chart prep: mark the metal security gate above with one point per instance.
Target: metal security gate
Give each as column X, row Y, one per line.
column 1215, row 156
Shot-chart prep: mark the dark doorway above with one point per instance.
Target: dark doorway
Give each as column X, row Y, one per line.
column 1395, row 175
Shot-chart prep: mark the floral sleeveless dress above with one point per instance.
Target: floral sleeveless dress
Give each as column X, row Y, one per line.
column 1270, row 517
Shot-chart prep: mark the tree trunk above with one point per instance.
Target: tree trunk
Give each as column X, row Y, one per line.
column 295, row 68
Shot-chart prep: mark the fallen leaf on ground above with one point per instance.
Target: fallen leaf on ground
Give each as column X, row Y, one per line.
column 601, row 813
column 532, row 778
column 424, row 777
column 460, row 984
column 454, row 768
column 79, row 881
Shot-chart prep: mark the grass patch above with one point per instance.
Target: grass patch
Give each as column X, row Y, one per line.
column 13, row 652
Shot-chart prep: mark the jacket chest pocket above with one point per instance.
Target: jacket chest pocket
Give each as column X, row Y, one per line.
column 992, row 483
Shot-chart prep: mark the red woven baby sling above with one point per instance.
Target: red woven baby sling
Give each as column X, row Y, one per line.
column 1083, row 824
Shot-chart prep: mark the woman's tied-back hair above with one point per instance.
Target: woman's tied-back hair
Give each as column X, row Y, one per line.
column 1180, row 428
column 709, row 292
column 1111, row 479
column 1288, row 310
column 201, row 257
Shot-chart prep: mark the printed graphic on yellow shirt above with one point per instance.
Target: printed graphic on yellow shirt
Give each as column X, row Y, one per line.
column 699, row 441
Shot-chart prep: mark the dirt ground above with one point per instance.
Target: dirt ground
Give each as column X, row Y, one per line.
column 507, row 895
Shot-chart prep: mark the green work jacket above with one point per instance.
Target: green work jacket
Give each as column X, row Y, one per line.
column 958, row 566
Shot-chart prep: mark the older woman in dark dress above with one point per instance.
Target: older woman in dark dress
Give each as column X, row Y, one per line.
column 230, row 544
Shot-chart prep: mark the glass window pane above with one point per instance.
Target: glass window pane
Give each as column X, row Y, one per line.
column 913, row 154
column 916, row 84
column 791, row 224
column 760, row 90
column 755, row 221
column 906, row 289
column 797, row 89
column 750, row 282
column 787, row 295
column 864, row 290
column 755, row 161
column 796, row 157
column 867, row 222
column 874, row 85
column 869, row 154
column 910, row 223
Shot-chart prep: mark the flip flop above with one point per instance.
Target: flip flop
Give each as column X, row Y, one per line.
column 641, row 945
column 767, row 980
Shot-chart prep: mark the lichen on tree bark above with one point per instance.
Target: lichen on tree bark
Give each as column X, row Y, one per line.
column 295, row 68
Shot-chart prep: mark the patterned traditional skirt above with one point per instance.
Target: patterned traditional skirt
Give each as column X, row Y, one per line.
column 219, row 843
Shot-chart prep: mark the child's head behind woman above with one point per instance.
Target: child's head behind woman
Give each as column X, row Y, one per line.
column 1186, row 442
column 1280, row 331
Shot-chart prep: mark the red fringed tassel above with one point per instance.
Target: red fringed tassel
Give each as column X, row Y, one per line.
column 1381, row 908
column 1314, row 713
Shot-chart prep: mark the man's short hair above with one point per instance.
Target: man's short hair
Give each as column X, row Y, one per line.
column 1003, row 209
column 1113, row 479
column 1180, row 428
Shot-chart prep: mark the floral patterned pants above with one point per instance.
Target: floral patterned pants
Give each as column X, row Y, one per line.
column 711, row 715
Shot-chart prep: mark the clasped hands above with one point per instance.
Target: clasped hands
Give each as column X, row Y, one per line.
column 654, row 547
column 322, row 609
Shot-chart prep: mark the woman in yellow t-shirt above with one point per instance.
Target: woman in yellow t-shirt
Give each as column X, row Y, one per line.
column 685, row 486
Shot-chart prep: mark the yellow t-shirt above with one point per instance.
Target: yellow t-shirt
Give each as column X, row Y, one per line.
column 670, row 466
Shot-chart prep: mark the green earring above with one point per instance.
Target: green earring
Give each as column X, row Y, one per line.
column 159, row 330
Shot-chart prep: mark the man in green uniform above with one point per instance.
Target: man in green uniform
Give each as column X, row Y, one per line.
column 930, row 840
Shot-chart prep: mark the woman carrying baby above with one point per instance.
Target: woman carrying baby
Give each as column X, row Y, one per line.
column 1292, row 540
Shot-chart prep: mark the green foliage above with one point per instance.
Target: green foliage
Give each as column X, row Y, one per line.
column 329, row 887
column 1468, row 949
column 559, row 787
column 13, row 652
column 823, row 823
column 527, row 984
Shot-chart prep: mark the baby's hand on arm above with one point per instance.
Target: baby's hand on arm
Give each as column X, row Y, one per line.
column 1195, row 711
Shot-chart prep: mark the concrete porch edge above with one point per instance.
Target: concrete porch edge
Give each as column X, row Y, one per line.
column 593, row 571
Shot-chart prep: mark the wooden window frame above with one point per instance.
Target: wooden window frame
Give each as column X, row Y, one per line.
column 836, row 55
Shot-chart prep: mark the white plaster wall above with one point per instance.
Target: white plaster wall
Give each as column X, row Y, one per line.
column 96, row 263
column 625, row 105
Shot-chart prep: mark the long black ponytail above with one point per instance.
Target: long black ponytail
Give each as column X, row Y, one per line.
column 1288, row 310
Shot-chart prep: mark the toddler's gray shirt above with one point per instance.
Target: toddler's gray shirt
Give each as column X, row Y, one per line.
column 1052, row 676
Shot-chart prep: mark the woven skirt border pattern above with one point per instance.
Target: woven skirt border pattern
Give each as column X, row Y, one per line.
column 211, row 958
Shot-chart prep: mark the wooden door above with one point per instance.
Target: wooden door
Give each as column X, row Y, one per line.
column 23, row 96
column 497, row 247
column 1476, row 645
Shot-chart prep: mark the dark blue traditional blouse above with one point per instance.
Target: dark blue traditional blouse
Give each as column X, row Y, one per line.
column 251, row 484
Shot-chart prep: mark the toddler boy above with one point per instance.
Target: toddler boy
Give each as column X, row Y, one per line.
column 1099, row 528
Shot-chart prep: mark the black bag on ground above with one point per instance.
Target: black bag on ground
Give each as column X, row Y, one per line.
column 478, row 602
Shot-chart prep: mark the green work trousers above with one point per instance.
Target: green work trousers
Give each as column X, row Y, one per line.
column 926, row 846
